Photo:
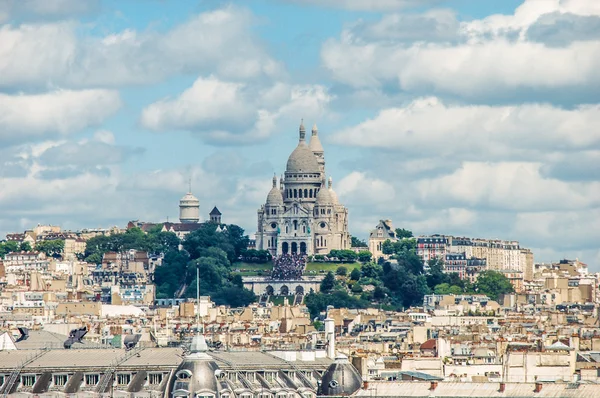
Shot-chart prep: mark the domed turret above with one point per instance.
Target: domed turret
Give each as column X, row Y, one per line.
column 315, row 143
column 274, row 198
column 302, row 159
column 323, row 196
column 340, row 379
column 189, row 209
column 334, row 197
column 317, row 149
column 196, row 374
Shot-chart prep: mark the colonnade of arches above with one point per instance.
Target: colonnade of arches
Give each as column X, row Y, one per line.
column 302, row 193
column 293, row 248
column 284, row 290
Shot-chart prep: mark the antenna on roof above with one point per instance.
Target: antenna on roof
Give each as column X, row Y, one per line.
column 198, row 299
column 190, row 184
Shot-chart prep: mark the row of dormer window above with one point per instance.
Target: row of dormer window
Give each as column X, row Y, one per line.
column 89, row 379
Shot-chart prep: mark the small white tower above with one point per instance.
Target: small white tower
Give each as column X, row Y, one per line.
column 189, row 208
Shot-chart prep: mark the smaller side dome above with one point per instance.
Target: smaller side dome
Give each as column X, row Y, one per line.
column 274, row 198
column 340, row 379
column 197, row 372
column 323, row 196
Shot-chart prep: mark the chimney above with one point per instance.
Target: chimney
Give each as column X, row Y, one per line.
column 330, row 336
column 434, row 385
column 538, row 387
column 502, row 387
column 365, row 385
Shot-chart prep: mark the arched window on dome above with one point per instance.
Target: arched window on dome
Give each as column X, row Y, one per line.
column 295, row 193
column 300, row 193
column 295, row 225
column 306, row 193
column 310, row 195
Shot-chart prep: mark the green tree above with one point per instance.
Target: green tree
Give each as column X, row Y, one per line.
column 387, row 247
column 436, row 275
column 234, row 296
column 355, row 274
column 379, row 293
column 343, row 271
column 403, row 233
column 493, row 284
column 445, row 288
column 364, row 256
column 371, row 270
column 8, row 247
column 318, row 325
column 405, row 245
column 25, row 246
column 162, row 242
column 318, row 302
column 356, row 288
column 328, row 283
column 358, row 242
column 52, row 248
column 207, row 236
column 410, row 261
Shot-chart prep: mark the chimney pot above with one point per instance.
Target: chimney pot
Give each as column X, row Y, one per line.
column 434, row 385
column 365, row 385
column 502, row 387
column 538, row 387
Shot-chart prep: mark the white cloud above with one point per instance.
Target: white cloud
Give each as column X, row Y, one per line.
column 527, row 14
column 217, row 41
column 513, row 186
column 477, row 131
column 482, row 59
column 234, row 113
column 61, row 112
column 73, row 201
column 358, row 187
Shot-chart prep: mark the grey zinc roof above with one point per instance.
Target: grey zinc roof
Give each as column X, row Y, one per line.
column 246, row 358
column 40, row 339
column 13, row 358
column 259, row 359
column 76, row 358
column 156, row 357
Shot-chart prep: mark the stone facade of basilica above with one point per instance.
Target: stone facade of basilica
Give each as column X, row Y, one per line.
column 303, row 215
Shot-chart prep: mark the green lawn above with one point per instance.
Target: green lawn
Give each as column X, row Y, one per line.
column 326, row 267
column 248, row 269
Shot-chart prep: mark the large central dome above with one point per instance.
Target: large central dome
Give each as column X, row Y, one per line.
column 302, row 160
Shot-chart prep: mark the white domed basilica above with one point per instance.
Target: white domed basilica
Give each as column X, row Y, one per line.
column 303, row 215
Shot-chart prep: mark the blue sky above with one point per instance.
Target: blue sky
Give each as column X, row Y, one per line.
column 465, row 117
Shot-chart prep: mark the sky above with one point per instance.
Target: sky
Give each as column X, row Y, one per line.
column 463, row 117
